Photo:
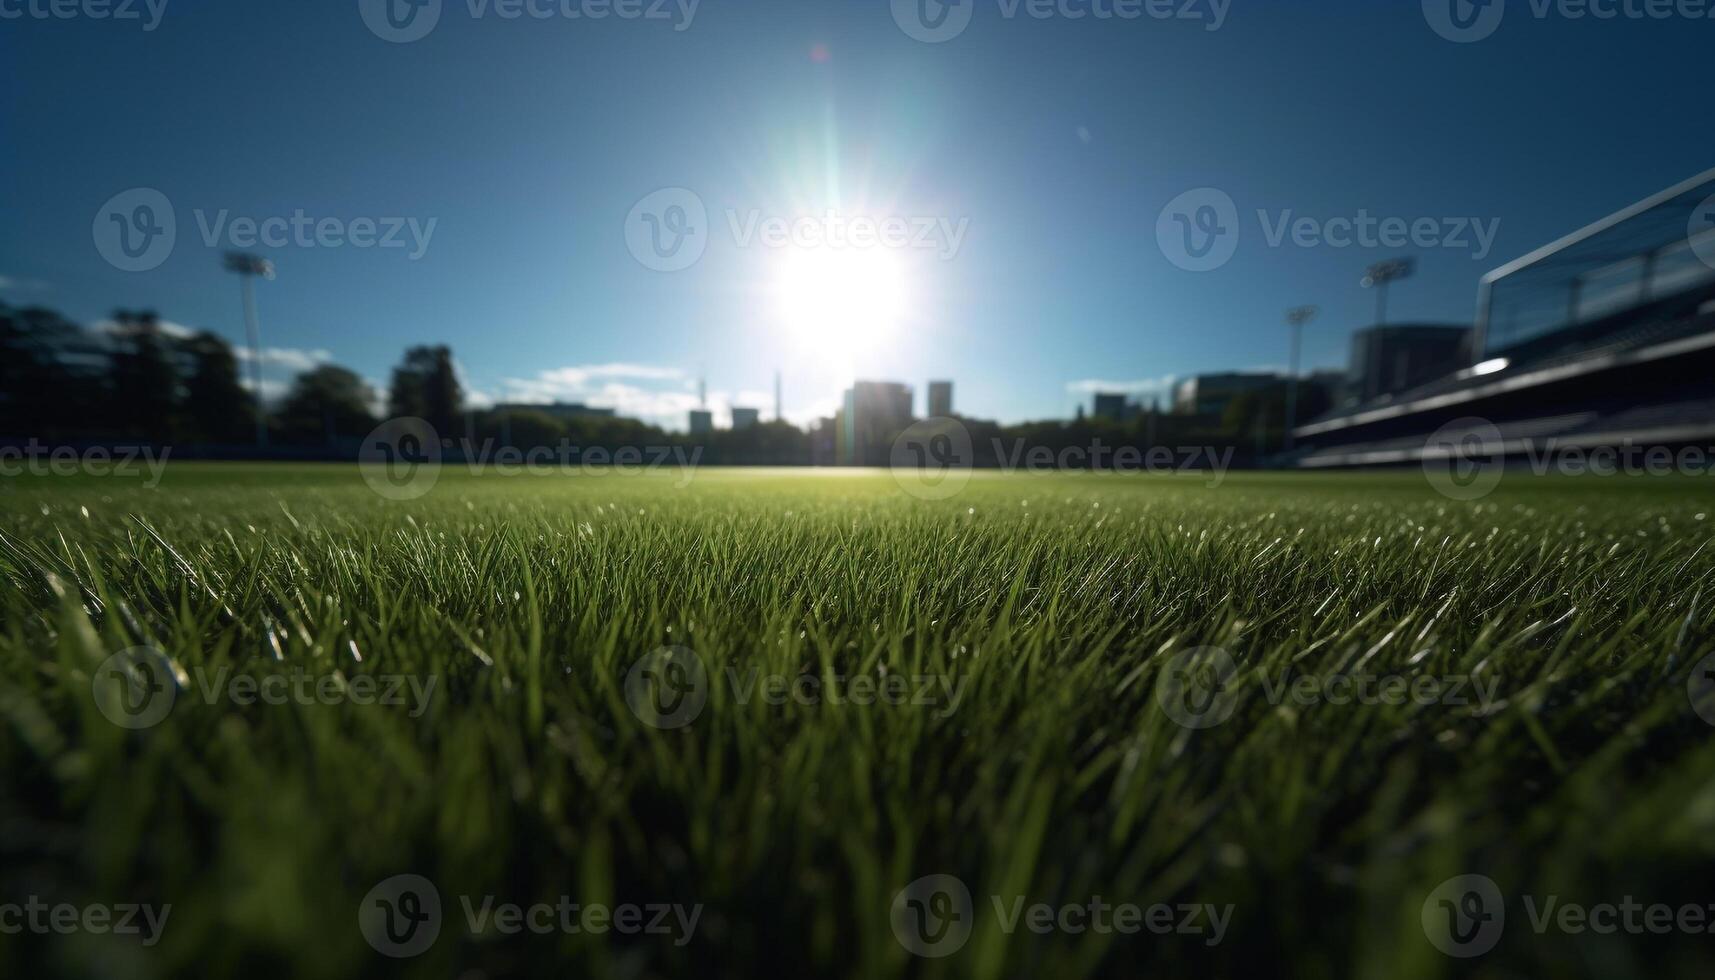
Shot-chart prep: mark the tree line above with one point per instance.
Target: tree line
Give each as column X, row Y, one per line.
column 137, row 381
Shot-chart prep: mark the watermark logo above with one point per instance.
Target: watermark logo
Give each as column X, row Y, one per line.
column 400, row 21
column 135, row 231
column 36, row 916
column 1464, row 21
column 1465, row 916
column 147, row 12
column 933, row 916
column 668, row 230
column 139, row 687
column 1198, row 231
column 301, row 230
column 401, row 459
column 667, row 688
column 836, row 229
column 1464, row 459
column 1196, row 687
column 932, row 459
column 404, row 21
column 1701, row 689
column 135, row 688
column 401, row 917
column 933, row 21
column 35, row 459
column 1700, row 230
column 937, row 21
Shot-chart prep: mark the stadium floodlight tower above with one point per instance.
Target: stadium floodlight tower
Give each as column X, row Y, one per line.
column 1380, row 275
column 248, row 268
column 1296, row 318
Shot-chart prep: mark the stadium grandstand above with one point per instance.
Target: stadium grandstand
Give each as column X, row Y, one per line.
column 1603, row 338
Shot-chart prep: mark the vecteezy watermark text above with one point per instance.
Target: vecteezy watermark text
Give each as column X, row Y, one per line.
column 936, row 21
column 1159, row 460
column 402, row 459
column 836, row 229
column 1200, row 230
column 35, row 459
column 1465, row 916
column 1468, row 21
column 401, row 917
column 933, row 459
column 1201, row 687
column 668, row 688
column 137, row 230
column 33, row 915
column 146, row 12
column 934, row 916
column 1466, row 458
column 138, row 687
column 404, row 21
column 668, row 230
column 301, row 230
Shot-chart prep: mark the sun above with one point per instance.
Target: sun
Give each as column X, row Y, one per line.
column 840, row 303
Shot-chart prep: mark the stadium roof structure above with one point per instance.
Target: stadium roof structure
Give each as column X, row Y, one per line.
column 1635, row 288
column 1661, row 244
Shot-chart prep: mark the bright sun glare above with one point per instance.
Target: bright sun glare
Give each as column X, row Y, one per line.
column 839, row 303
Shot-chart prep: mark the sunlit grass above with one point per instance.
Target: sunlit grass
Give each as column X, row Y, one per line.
column 1052, row 602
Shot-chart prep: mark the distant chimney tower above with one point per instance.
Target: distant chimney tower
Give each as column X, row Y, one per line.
column 702, row 392
column 779, row 412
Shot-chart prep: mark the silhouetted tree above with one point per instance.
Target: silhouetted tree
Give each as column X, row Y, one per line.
column 326, row 405
column 521, row 428
column 53, row 376
column 216, row 408
column 426, row 386
column 145, row 378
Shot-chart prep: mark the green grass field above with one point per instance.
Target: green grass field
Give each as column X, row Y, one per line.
column 1034, row 630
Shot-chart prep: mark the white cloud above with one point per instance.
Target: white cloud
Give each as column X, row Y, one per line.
column 660, row 395
column 273, row 390
column 806, row 416
column 19, row 284
column 580, row 378
column 176, row 331
column 377, row 398
column 474, row 397
column 1090, row 386
column 293, row 359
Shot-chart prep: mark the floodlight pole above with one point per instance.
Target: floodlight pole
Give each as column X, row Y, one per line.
column 1380, row 275
column 1296, row 318
column 248, row 267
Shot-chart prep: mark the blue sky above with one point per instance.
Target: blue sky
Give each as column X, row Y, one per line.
column 1051, row 145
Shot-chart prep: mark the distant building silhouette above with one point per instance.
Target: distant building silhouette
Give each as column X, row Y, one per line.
column 744, row 418
column 559, row 410
column 940, row 399
column 1602, row 339
column 1388, row 360
column 1210, row 394
column 702, row 421
column 823, row 442
column 1109, row 405
column 874, row 414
